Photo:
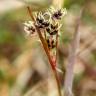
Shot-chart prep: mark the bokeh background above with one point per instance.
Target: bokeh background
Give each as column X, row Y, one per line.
column 24, row 68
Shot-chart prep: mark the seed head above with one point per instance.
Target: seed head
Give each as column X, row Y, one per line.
column 58, row 14
column 48, row 23
column 29, row 28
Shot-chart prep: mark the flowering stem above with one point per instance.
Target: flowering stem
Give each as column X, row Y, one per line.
column 50, row 60
column 45, row 46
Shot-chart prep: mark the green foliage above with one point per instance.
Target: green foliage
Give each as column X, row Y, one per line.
column 11, row 81
column 37, row 5
column 93, row 59
column 66, row 39
column 88, row 18
column 4, row 36
column 10, row 29
column 2, row 75
column 69, row 3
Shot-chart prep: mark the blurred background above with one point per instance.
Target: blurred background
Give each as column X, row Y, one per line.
column 24, row 68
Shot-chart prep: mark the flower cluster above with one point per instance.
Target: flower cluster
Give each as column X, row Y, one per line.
column 48, row 24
